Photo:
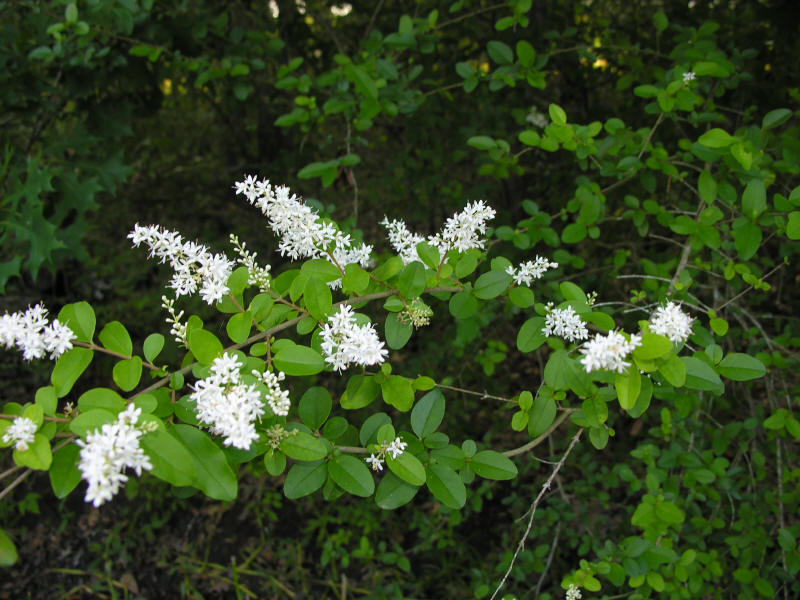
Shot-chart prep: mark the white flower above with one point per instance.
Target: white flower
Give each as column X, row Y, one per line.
column 375, row 462
column 277, row 398
column 402, row 240
column 528, row 271
column 34, row 335
column 689, row 76
column 107, row 452
column 303, row 234
column 609, row 352
column 396, row 448
column 345, row 342
column 565, row 322
column 463, row 231
column 20, row 433
column 672, row 322
column 227, row 404
column 573, row 593
column 194, row 266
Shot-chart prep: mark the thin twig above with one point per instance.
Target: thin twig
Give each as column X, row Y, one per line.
column 533, row 508
column 535, row 442
column 549, row 560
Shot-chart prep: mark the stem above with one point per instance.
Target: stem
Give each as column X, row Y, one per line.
column 535, row 442
column 533, row 508
column 91, row 346
column 46, row 418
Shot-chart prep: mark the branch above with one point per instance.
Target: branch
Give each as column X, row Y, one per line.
column 535, row 442
column 533, row 508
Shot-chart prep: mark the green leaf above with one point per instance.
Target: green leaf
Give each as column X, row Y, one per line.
column 363, row 83
column 718, row 325
column 274, row 462
column 239, row 326
column 598, row 436
column 428, row 254
column 8, row 551
column 80, row 318
column 628, row 386
column 398, row 391
column 673, row 370
column 463, row 304
column 204, row 345
column 500, row 53
column 747, row 240
column 407, row 467
column 153, row 344
column 69, row 367
column 397, row 333
column 741, row 367
column 445, row 485
column 127, row 373
column 525, row 53
column 361, row 391
column 213, row 475
column 91, row 420
column 776, row 117
column 104, row 398
column 563, row 372
column 315, row 406
column 371, row 426
column 352, row 475
column 754, row 198
column 116, row 338
column 493, row 465
column 393, row 492
column 64, row 472
column 491, row 284
column 302, row 446
column 699, row 375
column 322, row 269
column 428, row 413
column 707, row 187
column 298, row 360
column 530, row 335
column 716, row 138
column 660, row 21
column 542, row 415
column 411, row 280
column 793, row 226
column 304, row 479
column 38, row 456
column 46, row 398
column 557, row 114
column 171, row 461
column 653, row 346
column 318, row 298
column 356, row 279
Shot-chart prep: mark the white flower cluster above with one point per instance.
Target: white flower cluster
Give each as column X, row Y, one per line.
column 107, row 452
column 672, row 322
column 177, row 329
column 256, row 274
column 302, row 233
column 228, row 405
column 573, row 593
column 689, row 76
column 277, row 399
column 395, row 448
column 530, row 270
column 608, row 352
column 462, row 231
column 402, row 240
column 194, row 266
column 20, row 433
column 565, row 322
column 345, row 342
column 31, row 333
